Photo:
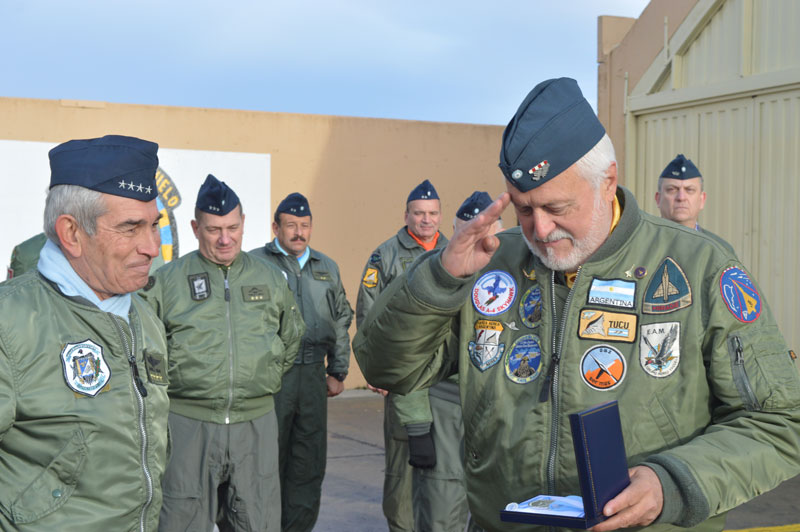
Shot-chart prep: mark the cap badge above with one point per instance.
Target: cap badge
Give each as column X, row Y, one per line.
column 516, row 174
column 540, row 170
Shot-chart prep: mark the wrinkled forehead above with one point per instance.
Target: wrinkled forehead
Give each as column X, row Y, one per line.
column 691, row 183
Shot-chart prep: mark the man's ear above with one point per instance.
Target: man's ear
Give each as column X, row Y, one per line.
column 610, row 183
column 70, row 235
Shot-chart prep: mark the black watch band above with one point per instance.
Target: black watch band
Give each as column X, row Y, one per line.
column 339, row 376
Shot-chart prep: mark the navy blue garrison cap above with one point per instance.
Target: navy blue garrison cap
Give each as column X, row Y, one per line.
column 553, row 128
column 215, row 197
column 473, row 205
column 424, row 190
column 681, row 168
column 295, row 204
column 122, row 166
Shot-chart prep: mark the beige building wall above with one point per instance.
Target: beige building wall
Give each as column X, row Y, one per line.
column 724, row 89
column 356, row 172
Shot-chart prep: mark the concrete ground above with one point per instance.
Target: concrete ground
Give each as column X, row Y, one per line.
column 351, row 493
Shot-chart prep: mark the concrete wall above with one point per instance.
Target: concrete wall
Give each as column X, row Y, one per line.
column 356, row 172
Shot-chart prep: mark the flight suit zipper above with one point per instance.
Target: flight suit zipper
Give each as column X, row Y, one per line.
column 140, row 392
column 740, row 378
column 230, row 344
column 550, row 384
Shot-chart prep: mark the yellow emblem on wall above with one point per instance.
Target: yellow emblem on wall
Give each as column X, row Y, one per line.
column 370, row 279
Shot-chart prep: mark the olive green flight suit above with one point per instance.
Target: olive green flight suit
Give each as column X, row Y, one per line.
column 302, row 403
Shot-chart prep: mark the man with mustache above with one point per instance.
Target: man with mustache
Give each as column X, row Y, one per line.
column 233, row 329
column 407, row 431
column 712, row 423
column 301, row 404
column 83, row 391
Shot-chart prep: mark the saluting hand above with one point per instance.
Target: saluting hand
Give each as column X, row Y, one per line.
column 473, row 244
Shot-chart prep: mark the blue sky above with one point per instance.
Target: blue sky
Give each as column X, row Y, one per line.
column 454, row 61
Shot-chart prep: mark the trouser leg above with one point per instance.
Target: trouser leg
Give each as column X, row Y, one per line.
column 190, row 500
column 440, row 499
column 305, row 449
column 397, row 483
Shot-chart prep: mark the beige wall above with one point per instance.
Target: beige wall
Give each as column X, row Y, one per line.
column 627, row 47
column 356, row 172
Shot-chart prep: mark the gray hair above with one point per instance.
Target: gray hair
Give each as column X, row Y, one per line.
column 81, row 203
column 594, row 165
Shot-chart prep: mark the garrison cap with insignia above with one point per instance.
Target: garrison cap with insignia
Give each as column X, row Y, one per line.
column 423, row 191
column 681, row 168
column 215, row 197
column 114, row 164
column 553, row 128
column 473, row 205
column 295, row 204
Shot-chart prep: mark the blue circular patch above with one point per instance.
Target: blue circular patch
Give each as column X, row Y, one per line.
column 494, row 293
column 524, row 359
column 740, row 295
column 530, row 307
column 603, row 367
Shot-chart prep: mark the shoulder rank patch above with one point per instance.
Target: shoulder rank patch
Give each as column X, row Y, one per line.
column 668, row 289
column 494, row 293
column 321, row 276
column 660, row 348
column 530, row 307
column 524, row 359
column 612, row 293
column 85, row 368
column 199, row 286
column 740, row 295
column 370, row 279
column 258, row 292
column 486, row 350
column 603, row 367
column 605, row 325
column 156, row 369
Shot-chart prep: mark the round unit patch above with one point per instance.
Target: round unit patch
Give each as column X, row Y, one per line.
column 530, row 307
column 524, row 359
column 494, row 293
column 603, row 367
column 740, row 295
column 85, row 369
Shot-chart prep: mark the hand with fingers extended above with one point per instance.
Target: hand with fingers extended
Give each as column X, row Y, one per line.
column 474, row 243
column 637, row 505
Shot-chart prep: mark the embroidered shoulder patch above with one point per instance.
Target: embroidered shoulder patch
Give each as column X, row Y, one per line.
column 660, row 348
column 486, row 350
column 603, row 367
column 612, row 293
column 524, row 359
column 494, row 293
column 199, row 286
column 606, row 325
column 253, row 293
column 375, row 258
column 530, row 307
column 370, row 279
column 740, row 295
column 668, row 289
column 85, row 368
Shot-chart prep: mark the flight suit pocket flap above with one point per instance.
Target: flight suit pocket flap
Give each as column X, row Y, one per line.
column 53, row 486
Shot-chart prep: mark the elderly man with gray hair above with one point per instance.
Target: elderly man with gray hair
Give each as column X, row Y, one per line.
column 83, row 395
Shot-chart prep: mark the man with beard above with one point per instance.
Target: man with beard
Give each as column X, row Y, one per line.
column 703, row 377
column 301, row 405
column 233, row 329
column 680, row 196
column 407, row 436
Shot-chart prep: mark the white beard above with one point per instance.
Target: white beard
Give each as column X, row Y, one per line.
column 581, row 249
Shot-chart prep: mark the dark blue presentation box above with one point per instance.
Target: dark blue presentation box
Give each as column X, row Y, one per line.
column 602, row 473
